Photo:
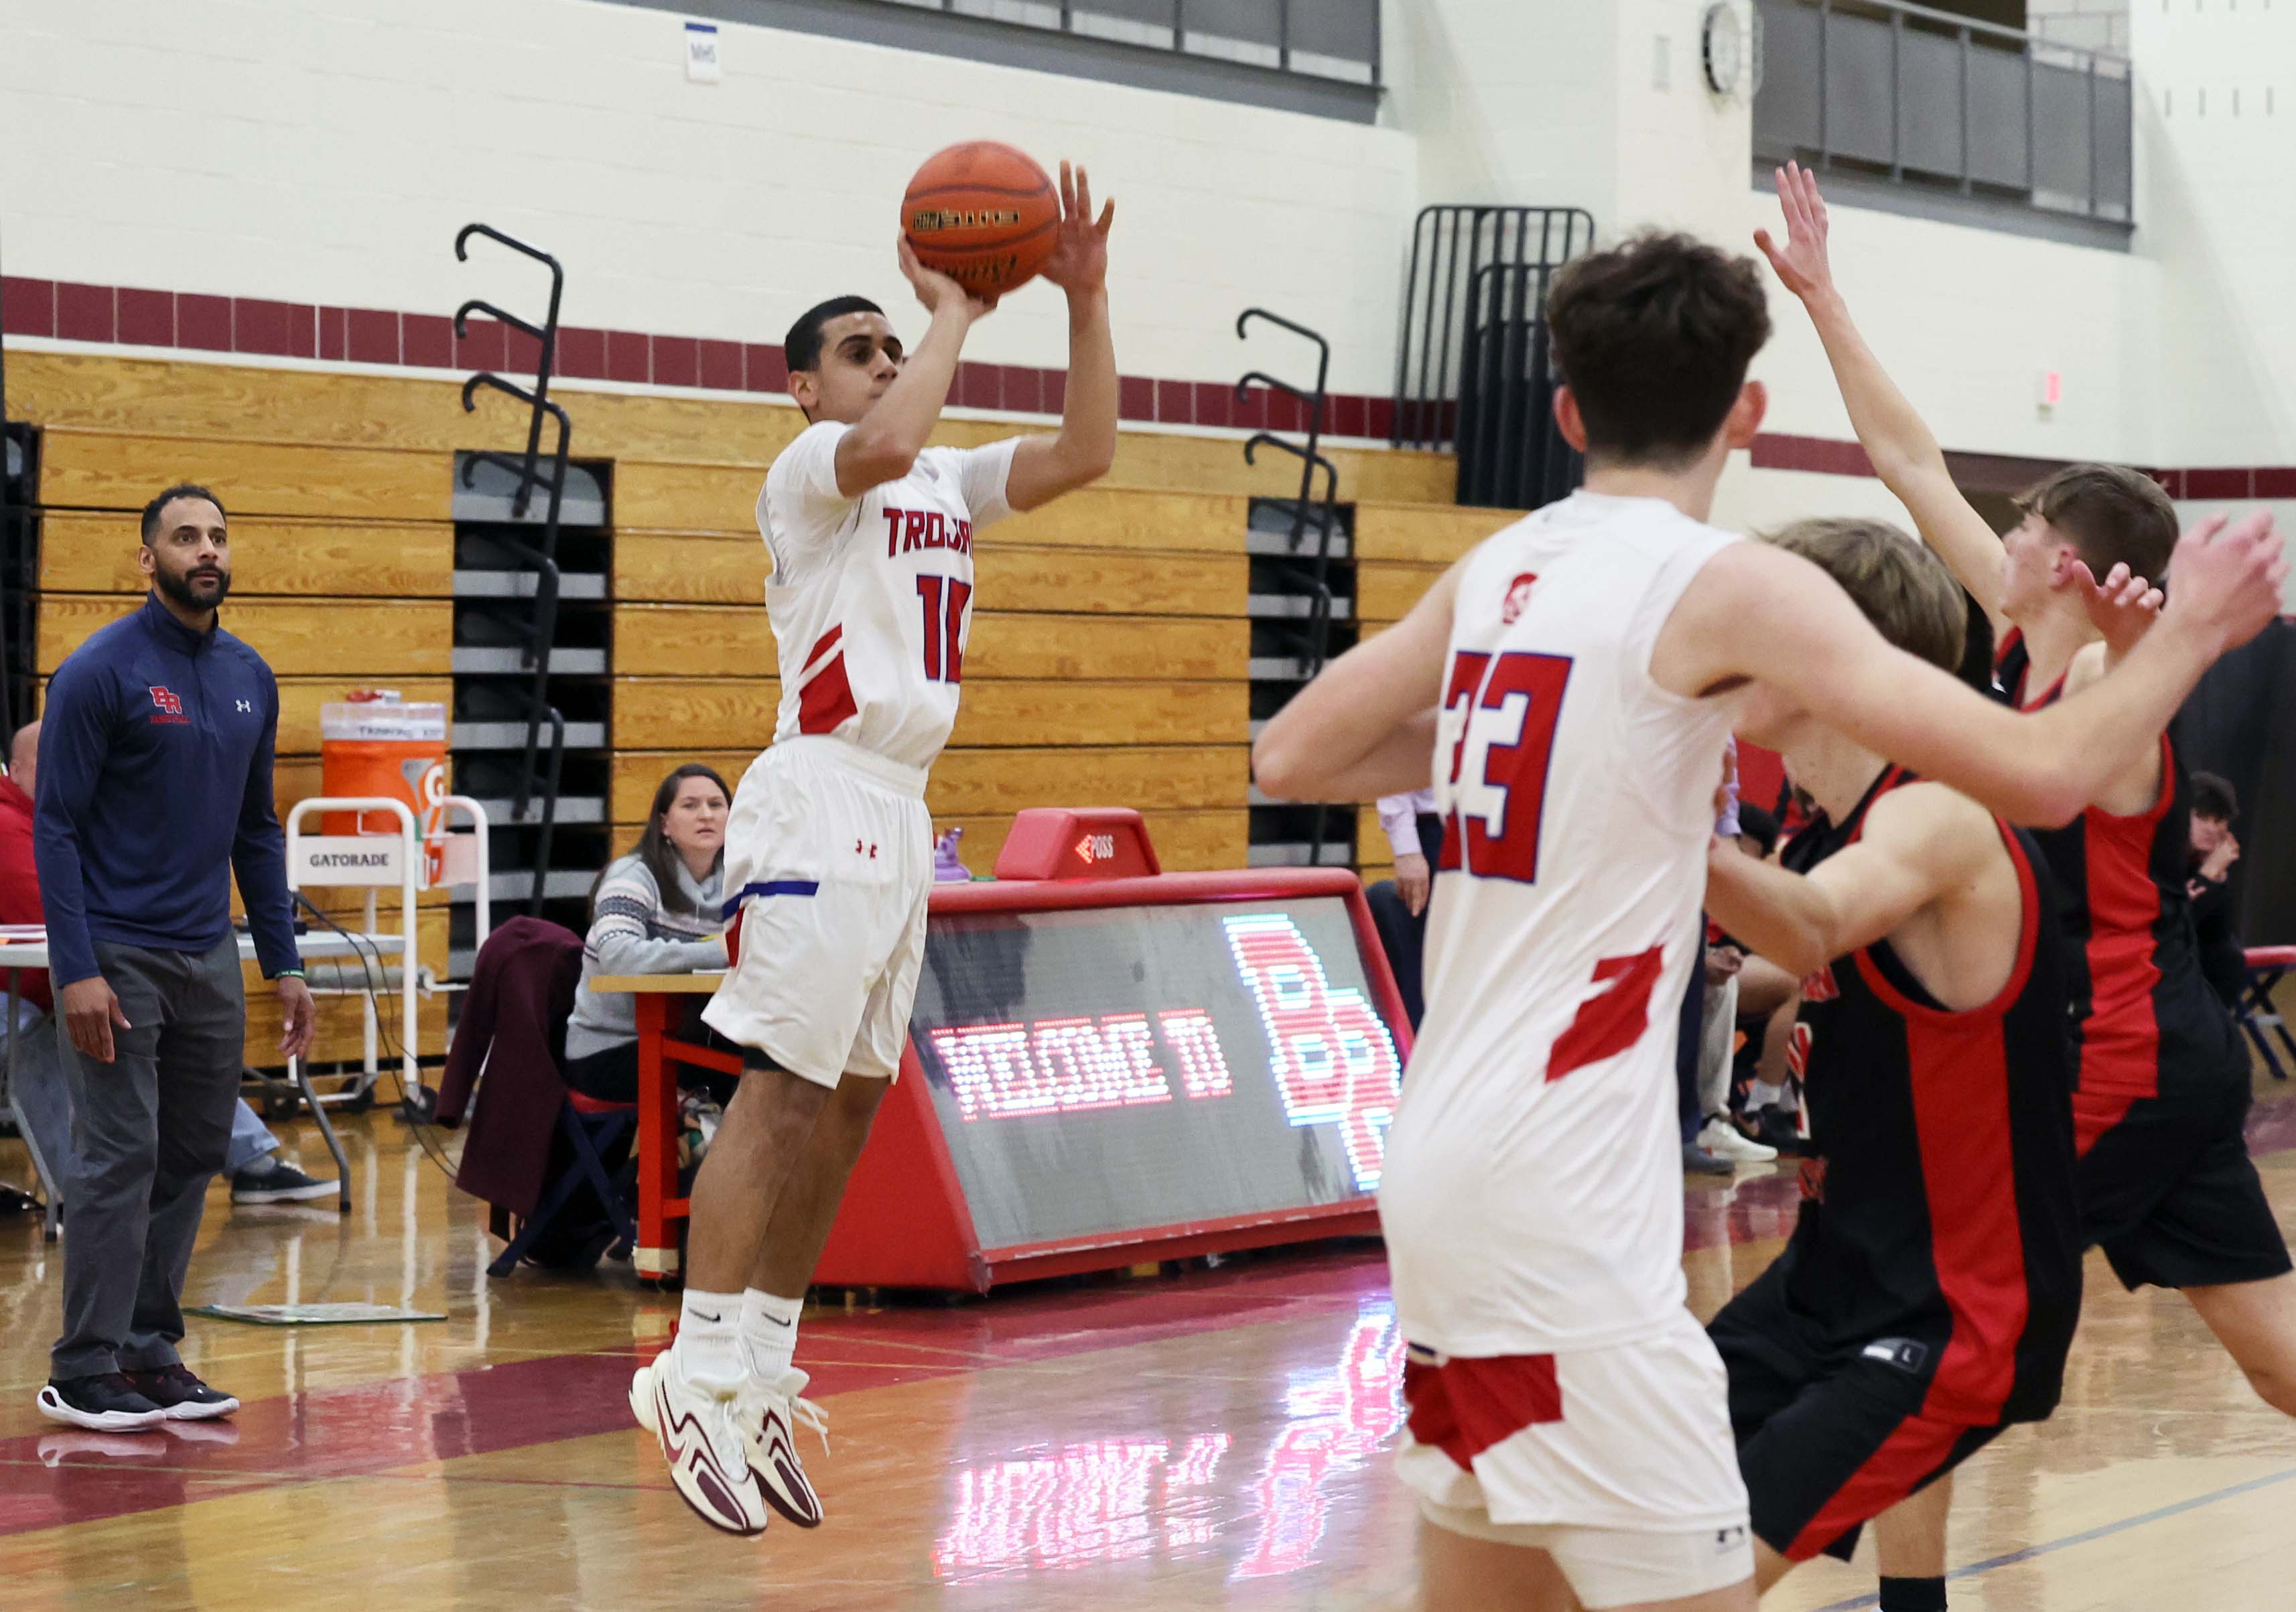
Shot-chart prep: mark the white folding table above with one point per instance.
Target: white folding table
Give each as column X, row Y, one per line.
column 18, row 956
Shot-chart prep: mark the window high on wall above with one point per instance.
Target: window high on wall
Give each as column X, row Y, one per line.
column 1910, row 108
column 1315, row 56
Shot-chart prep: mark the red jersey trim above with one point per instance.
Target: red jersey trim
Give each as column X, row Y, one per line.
column 1462, row 1407
column 1959, row 1065
column 827, row 701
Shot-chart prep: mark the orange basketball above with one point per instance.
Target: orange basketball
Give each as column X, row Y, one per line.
column 983, row 214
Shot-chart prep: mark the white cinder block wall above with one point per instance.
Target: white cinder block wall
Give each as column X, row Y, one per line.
column 327, row 153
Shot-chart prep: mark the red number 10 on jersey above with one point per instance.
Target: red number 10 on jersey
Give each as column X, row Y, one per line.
column 944, row 626
column 1506, row 707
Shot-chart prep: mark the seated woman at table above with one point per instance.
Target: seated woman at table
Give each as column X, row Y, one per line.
column 652, row 912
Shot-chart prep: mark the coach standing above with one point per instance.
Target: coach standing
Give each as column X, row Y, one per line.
column 154, row 787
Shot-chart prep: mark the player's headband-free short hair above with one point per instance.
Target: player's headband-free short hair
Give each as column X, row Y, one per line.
column 802, row 346
column 1653, row 338
column 2213, row 798
column 1904, row 589
column 2111, row 516
column 168, row 495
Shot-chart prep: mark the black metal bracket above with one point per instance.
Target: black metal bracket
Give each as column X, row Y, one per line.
column 542, row 557
column 1315, row 645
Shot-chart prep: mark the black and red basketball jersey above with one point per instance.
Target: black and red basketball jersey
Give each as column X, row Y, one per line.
column 1940, row 1208
column 2146, row 1023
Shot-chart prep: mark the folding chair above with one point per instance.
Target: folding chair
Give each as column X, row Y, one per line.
column 2267, row 967
column 591, row 1128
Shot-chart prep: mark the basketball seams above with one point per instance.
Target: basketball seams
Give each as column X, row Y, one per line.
column 914, row 197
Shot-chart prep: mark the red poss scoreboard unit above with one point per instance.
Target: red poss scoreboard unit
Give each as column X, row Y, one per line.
column 1109, row 1064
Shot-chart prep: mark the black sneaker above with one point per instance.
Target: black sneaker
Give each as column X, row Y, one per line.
column 181, row 1395
column 1779, row 1128
column 106, row 1403
column 281, row 1184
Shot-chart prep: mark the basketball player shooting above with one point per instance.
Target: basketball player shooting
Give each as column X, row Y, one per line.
column 1566, row 688
column 829, row 846
column 2168, row 1189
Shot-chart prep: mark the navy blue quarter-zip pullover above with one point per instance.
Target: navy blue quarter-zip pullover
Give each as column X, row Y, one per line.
column 154, row 787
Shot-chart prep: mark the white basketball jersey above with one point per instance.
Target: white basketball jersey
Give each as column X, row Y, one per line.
column 871, row 597
column 1532, row 1193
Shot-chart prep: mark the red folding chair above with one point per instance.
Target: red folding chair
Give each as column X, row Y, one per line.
column 2267, row 966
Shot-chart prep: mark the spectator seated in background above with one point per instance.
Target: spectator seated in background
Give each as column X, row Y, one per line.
column 259, row 1176
column 2214, row 851
column 1399, row 906
column 656, row 911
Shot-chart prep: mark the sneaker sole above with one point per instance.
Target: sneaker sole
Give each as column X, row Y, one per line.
column 192, row 1410
column 52, row 1407
column 645, row 1408
column 317, row 1189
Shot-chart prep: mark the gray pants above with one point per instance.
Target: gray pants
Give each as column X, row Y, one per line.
column 149, row 1129
column 45, row 1103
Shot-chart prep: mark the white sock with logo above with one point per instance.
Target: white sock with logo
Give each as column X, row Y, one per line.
column 708, row 1352
column 769, row 1331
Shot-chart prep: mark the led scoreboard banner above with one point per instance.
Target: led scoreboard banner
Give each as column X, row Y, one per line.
column 1109, row 1065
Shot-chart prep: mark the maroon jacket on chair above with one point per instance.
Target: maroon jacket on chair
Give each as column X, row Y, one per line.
column 514, row 1025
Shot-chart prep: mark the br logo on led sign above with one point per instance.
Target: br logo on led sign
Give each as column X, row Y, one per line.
column 1332, row 1059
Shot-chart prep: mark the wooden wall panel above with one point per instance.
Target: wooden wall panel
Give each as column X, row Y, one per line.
column 698, row 568
column 119, row 470
column 726, row 641
column 690, row 568
column 1386, row 590
column 732, row 712
column 205, row 400
column 343, row 638
column 89, row 552
column 974, row 784
column 1427, row 533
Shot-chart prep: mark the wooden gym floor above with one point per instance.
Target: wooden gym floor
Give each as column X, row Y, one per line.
column 1212, row 1438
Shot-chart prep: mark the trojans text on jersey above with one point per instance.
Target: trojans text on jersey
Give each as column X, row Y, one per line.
column 909, row 530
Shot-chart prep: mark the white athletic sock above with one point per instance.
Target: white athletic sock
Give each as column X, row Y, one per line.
column 1761, row 1094
column 707, row 1351
column 769, row 1331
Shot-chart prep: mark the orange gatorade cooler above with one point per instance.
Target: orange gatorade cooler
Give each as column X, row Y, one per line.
column 376, row 744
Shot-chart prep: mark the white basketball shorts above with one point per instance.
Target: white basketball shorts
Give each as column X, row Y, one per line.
column 1618, row 1462
column 829, row 862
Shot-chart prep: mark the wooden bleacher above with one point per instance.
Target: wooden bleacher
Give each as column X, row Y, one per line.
column 1108, row 658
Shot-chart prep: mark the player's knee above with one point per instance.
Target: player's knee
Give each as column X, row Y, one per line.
column 2274, row 1383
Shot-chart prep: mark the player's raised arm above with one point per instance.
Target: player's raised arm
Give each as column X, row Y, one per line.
column 1905, row 452
column 1757, row 612
column 1045, row 467
column 1920, row 843
column 1365, row 726
column 885, row 443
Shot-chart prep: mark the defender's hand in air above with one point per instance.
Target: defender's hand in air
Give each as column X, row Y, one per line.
column 1078, row 265
column 936, row 290
column 2122, row 608
column 2228, row 580
column 1802, row 262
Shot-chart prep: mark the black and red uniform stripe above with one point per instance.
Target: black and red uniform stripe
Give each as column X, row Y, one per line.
column 1931, row 1286
column 2161, row 1077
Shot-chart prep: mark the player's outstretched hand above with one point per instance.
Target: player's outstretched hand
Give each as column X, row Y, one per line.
column 1079, row 261
column 1802, row 262
column 2123, row 606
column 2224, row 580
column 936, row 290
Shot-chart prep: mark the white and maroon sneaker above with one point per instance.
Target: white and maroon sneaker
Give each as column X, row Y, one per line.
column 771, row 1414
column 701, row 1439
